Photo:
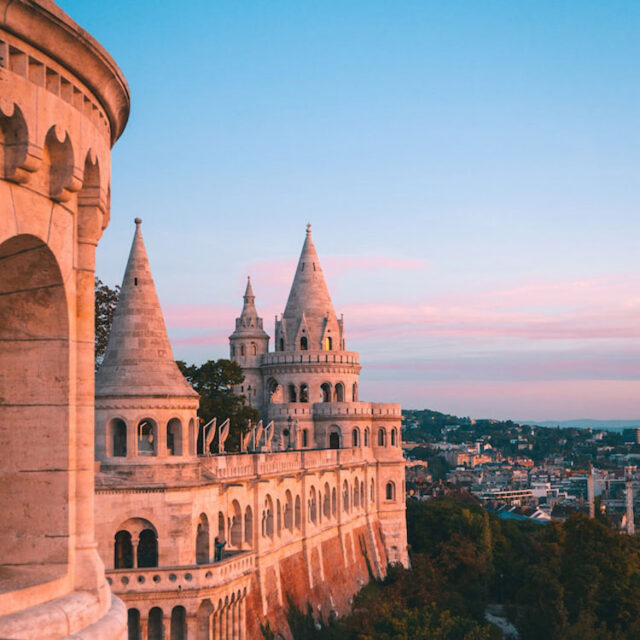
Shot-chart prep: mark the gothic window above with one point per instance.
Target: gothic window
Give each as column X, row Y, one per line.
column 305, row 438
column 174, row 437
column 248, row 526
column 297, row 515
column 326, row 392
column 355, row 438
column 254, row 349
column 394, row 437
column 304, row 393
column 345, row 497
column 118, row 435
column 242, row 350
column 390, row 491
column 281, row 344
column 148, row 549
column 328, row 343
column 123, row 551
column 366, row 437
column 354, row 392
column 304, row 343
column 334, row 440
column 292, row 393
column 202, row 540
column 338, row 394
column 382, row 437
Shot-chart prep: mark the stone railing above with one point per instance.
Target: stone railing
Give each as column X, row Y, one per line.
column 311, row 357
column 188, row 577
column 335, row 409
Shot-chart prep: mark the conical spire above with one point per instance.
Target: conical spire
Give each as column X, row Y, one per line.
column 138, row 360
column 309, row 300
column 249, row 323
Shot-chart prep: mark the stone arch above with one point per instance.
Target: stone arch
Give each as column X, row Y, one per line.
column 334, row 502
column 338, row 392
column 356, row 493
column 14, row 143
column 248, row 526
column 235, row 532
column 390, row 490
column 325, row 387
column 174, row 437
column 298, row 515
column 304, row 392
column 312, row 505
column 117, row 438
column 382, row 437
column 221, row 526
column 156, row 624
column 133, row 624
column 35, row 409
column 147, row 554
column 202, row 540
column 204, row 619
column 57, row 160
column 355, row 437
column 288, row 511
column 345, row 496
column 275, row 391
column 326, row 501
column 147, row 434
column 334, row 437
column 89, row 195
column 122, row 550
column 267, row 517
column 354, row 392
column 178, row 623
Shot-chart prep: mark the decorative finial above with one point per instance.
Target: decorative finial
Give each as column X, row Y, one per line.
column 308, row 228
column 138, row 221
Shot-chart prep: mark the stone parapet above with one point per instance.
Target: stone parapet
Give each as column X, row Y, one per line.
column 310, row 357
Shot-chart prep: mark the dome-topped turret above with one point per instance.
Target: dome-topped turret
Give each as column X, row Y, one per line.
column 138, row 360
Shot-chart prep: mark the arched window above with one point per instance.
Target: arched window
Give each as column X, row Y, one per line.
column 394, row 437
column 178, row 623
column 304, row 343
column 288, row 511
column 297, row 514
column 305, row 438
column 382, row 437
column 362, row 504
column 133, row 624
column 328, row 343
column 248, row 526
column 293, row 396
column 14, row 139
column 242, row 350
column 334, row 440
column 390, row 491
column 304, row 393
column 366, row 437
column 192, row 437
column 123, row 551
column 174, row 437
column 118, row 437
column 268, row 517
column 147, row 437
column 281, row 344
column 202, row 540
column 233, row 351
column 156, row 624
column 355, row 438
column 345, row 497
column 373, row 491
column 338, row 393
column 221, row 526
column 312, row 505
column 326, row 502
column 254, row 349
column 356, row 494
column 326, row 392
column 278, row 518
column 235, row 531
column 334, row 502
column 148, row 549
column 354, row 392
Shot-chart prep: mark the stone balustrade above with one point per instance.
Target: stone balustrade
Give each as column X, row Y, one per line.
column 311, row 357
column 189, row 577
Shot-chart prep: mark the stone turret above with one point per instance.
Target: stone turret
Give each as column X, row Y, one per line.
column 247, row 345
column 309, row 322
column 144, row 405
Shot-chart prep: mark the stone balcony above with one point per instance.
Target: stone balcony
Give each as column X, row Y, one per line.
column 311, row 357
column 183, row 578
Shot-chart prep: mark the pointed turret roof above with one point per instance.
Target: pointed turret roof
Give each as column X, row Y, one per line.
column 249, row 324
column 309, row 295
column 138, row 360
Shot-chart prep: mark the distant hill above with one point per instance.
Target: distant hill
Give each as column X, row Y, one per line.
column 585, row 423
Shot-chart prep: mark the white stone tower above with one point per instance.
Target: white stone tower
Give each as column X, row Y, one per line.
column 145, row 409
column 247, row 344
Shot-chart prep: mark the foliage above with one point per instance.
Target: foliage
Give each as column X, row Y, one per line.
column 214, row 381
column 106, row 300
column 438, row 466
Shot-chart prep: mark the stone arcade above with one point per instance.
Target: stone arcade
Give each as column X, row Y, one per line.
column 308, row 520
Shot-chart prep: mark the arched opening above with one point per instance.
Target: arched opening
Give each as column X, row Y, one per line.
column 147, row 437
column 221, row 527
column 156, row 624
column 235, row 533
column 394, row 437
column 304, row 343
column 254, row 349
column 366, row 437
column 14, row 139
column 179, row 623
column 204, row 621
column 281, row 344
column 356, row 494
column 123, row 551
column 278, row 518
column 362, row 501
column 334, row 439
column 174, row 437
column 345, row 496
column 248, row 526
column 118, row 437
column 57, row 161
column 354, row 392
column 192, row 437
column 390, row 491
column 202, row 540
column 243, row 350
column 326, row 392
column 312, row 505
column 133, row 624
column 304, row 393
column 293, row 396
column 326, row 501
column 373, row 491
column 268, row 517
column 35, row 408
column 334, row 502
column 382, row 437
column 355, row 438
column 328, row 343
column 305, row 438
column 298, row 519
column 338, row 393
column 275, row 391
column 148, row 549
column 288, row 511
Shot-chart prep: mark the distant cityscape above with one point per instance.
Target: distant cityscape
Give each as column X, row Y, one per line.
column 526, row 471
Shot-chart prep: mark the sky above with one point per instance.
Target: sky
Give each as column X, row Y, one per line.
column 470, row 169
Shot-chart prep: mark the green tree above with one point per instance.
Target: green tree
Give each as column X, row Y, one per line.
column 106, row 300
column 214, row 381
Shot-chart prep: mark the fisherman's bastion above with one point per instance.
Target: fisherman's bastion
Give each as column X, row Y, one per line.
column 111, row 508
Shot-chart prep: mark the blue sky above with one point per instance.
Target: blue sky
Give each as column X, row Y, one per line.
column 470, row 170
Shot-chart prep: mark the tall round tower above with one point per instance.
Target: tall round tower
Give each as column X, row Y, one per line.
column 247, row 344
